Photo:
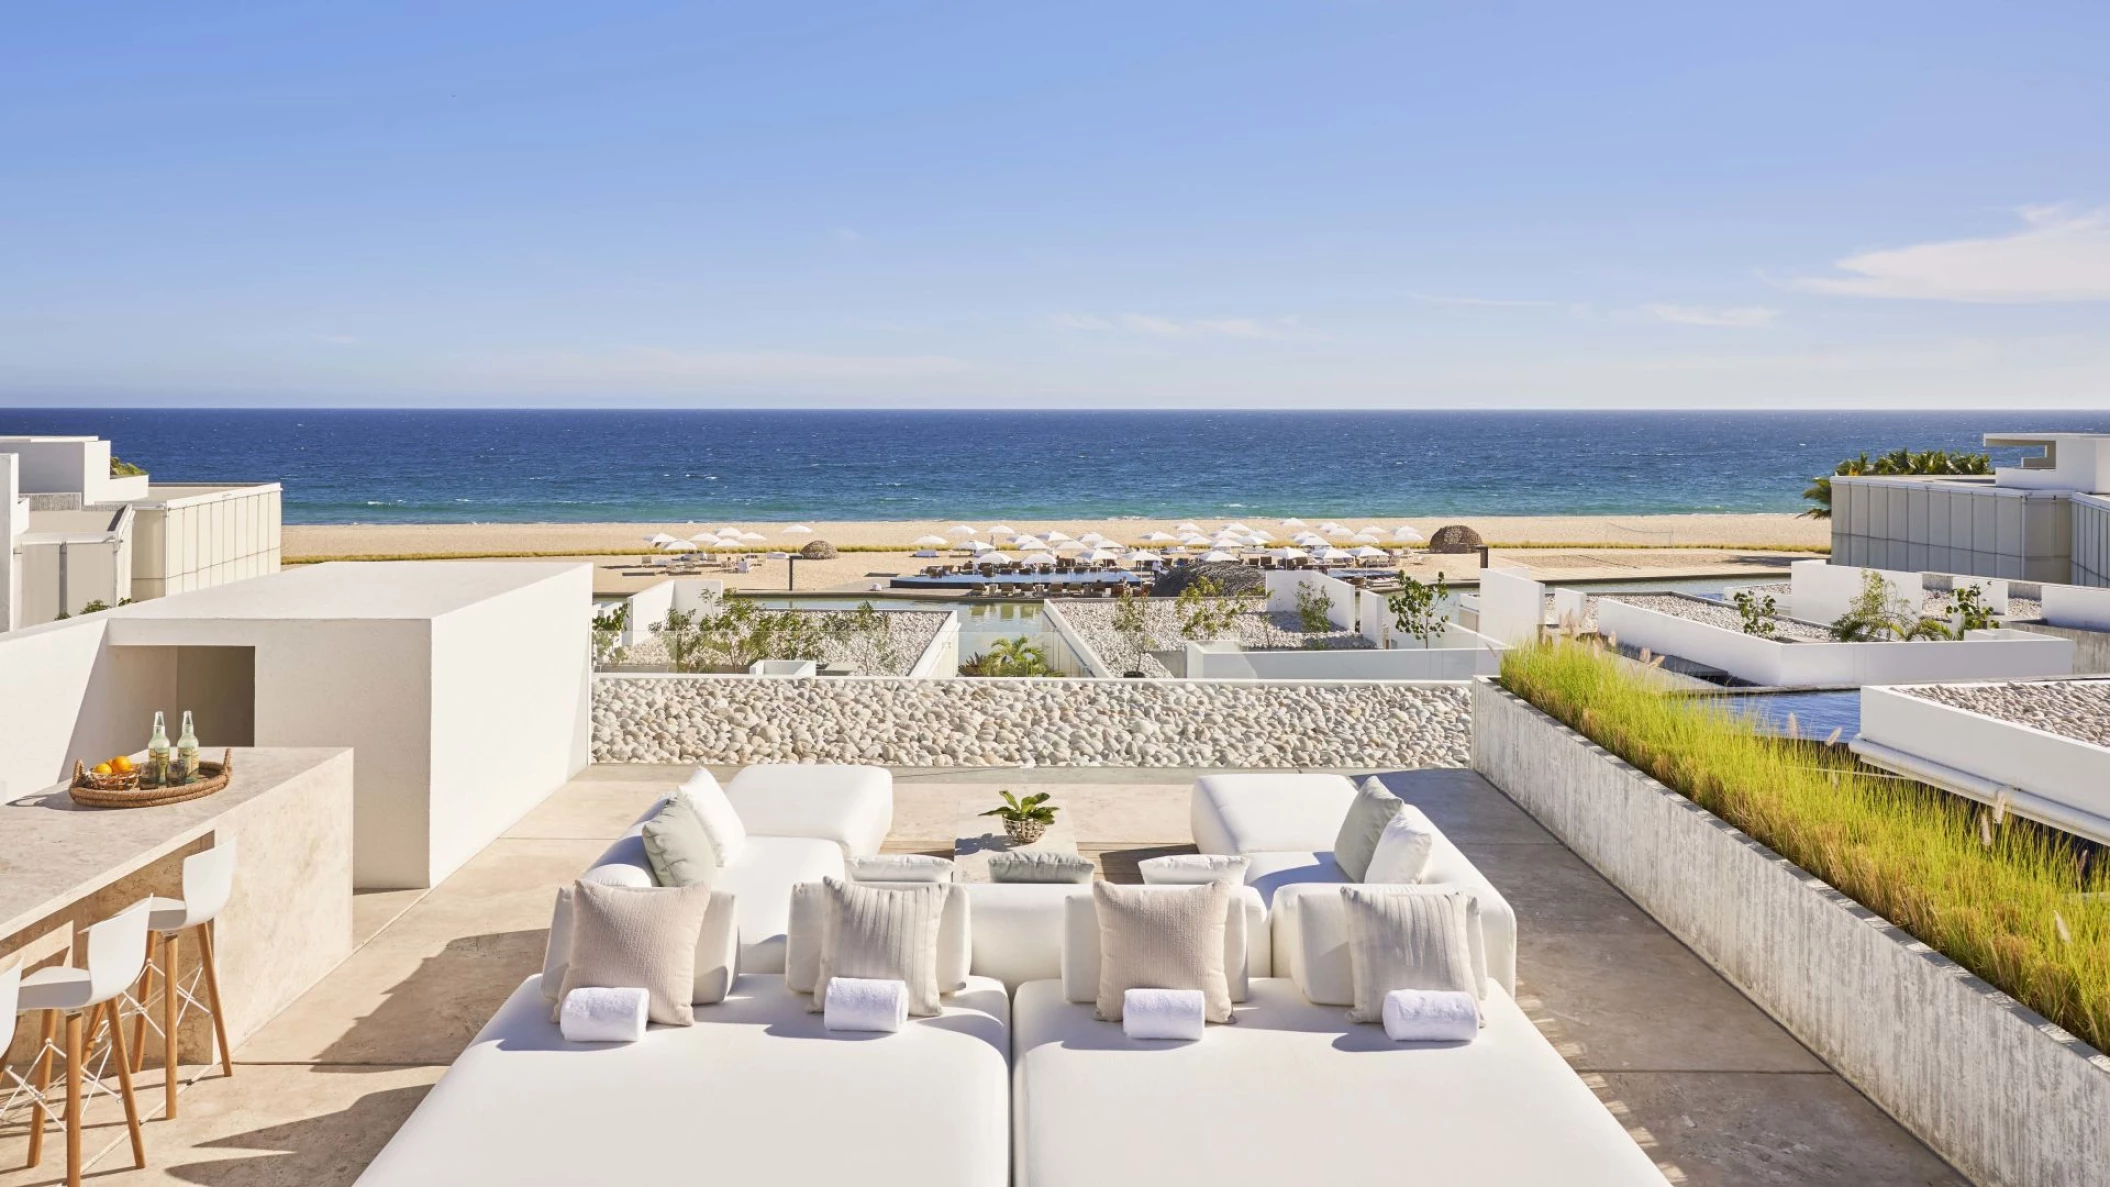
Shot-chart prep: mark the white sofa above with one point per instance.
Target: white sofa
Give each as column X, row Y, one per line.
column 801, row 821
column 758, row 1091
column 1294, row 1093
column 1019, row 929
column 1285, row 825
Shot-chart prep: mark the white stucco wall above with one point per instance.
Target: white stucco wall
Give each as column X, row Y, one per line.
column 1512, row 606
column 1282, row 587
column 2077, row 607
column 1821, row 592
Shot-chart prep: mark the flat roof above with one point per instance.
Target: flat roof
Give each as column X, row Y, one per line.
column 2041, row 438
column 356, row 589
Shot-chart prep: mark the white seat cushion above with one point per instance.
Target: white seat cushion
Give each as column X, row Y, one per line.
column 850, row 805
column 1260, row 813
column 761, row 883
column 1294, row 1093
column 737, row 1094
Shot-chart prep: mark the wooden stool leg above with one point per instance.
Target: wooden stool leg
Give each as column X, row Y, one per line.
column 139, row 1020
column 212, row 994
column 123, row 1058
column 42, row 1074
column 171, row 976
column 74, row 1055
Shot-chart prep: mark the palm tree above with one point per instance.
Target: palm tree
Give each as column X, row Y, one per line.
column 1896, row 462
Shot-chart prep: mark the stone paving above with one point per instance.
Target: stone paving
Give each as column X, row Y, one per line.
column 1711, row 1087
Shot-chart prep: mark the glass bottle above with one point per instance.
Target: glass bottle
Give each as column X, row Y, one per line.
column 186, row 752
column 157, row 772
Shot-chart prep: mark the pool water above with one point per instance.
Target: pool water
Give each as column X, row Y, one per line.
column 1816, row 714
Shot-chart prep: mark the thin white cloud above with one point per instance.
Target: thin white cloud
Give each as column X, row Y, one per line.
column 1160, row 326
column 2059, row 255
column 1734, row 317
column 1491, row 302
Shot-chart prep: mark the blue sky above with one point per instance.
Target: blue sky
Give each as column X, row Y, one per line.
column 1311, row 204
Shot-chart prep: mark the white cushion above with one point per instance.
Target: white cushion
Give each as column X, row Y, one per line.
column 1316, row 957
column 761, row 882
column 1259, row 813
column 886, row 933
column 1368, row 813
column 1162, row 937
column 1178, row 868
column 1018, row 928
column 1295, row 1094
column 1245, row 940
column 852, row 806
column 803, row 936
column 1408, row 937
column 717, row 946
column 900, row 867
column 928, row 1106
column 720, row 822
column 1276, row 874
column 1403, row 849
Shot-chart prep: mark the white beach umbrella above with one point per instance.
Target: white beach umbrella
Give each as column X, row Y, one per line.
column 1372, row 530
column 979, row 547
column 1309, row 539
column 776, row 556
column 1332, row 554
column 1037, row 558
column 994, row 557
column 1092, row 538
column 1218, row 555
column 1369, row 536
column 798, row 529
column 1236, row 527
column 1100, row 554
column 929, row 541
column 1028, row 543
column 659, row 539
column 1189, row 527
column 1228, row 540
column 1286, row 553
column 1336, row 532
column 1003, row 529
column 1365, row 552
column 1194, row 540
column 1159, row 538
column 963, row 529
column 1143, row 556
column 1407, row 535
column 754, row 537
column 704, row 538
column 729, row 535
column 1293, row 522
column 1259, row 536
column 677, row 546
column 1053, row 534
column 1072, row 546
column 1328, row 526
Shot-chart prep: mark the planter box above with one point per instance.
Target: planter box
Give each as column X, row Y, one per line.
column 1997, row 1090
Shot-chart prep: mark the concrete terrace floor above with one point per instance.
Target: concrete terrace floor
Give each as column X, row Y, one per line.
column 1714, row 1090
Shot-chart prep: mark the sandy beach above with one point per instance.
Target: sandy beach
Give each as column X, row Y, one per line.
column 1578, row 547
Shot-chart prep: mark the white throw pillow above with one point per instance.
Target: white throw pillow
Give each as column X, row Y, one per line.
column 717, row 946
column 623, row 937
column 1405, row 938
column 1403, row 849
column 804, row 933
column 900, row 867
column 720, row 822
column 1374, row 806
column 884, row 933
column 1189, row 868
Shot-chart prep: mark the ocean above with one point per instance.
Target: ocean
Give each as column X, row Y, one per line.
column 393, row 466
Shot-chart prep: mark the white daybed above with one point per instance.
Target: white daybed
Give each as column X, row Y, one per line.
column 1295, row 1093
column 1285, row 824
column 756, row 1092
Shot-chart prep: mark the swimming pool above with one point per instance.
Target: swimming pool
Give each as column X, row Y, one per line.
column 1816, row 714
column 981, row 623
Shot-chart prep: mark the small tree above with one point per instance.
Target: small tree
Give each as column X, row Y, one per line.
column 1758, row 613
column 1417, row 609
column 608, row 628
column 1972, row 613
column 1017, row 656
column 1206, row 613
column 1878, row 613
column 1132, row 626
column 1314, row 608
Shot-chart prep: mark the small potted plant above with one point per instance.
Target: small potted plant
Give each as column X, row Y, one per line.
column 1025, row 820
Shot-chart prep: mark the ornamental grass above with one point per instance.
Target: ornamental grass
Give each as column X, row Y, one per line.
column 2024, row 907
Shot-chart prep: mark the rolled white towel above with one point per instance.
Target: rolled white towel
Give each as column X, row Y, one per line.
column 861, row 1003
column 1431, row 1016
column 603, row 1015
column 1162, row 1014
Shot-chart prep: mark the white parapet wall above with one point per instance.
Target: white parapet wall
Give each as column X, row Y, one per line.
column 2077, row 607
column 1077, row 721
column 941, row 657
column 1820, row 591
column 1282, row 592
column 2063, row 782
column 1994, row 1088
column 1512, row 606
column 1094, row 663
column 1981, row 655
column 1456, row 654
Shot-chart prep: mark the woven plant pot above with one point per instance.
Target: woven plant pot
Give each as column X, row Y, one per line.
column 1025, row 832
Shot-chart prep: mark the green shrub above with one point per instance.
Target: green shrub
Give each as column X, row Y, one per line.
column 2019, row 905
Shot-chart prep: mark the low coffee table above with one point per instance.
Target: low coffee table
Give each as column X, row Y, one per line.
column 979, row 836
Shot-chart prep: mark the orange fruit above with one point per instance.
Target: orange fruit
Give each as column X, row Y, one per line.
column 102, row 768
column 121, row 765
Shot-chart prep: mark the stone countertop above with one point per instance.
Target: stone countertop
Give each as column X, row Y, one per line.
column 54, row 852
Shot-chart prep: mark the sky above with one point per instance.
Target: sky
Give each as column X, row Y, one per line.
column 1179, row 205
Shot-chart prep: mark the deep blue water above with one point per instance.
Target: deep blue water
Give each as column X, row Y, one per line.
column 392, row 466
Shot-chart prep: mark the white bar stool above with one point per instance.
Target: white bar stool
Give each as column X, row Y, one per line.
column 116, row 950
column 208, row 879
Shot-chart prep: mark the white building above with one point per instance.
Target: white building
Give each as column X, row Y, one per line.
column 78, row 533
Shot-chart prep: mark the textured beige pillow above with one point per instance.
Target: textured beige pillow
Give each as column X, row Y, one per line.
column 624, row 937
column 1405, row 937
column 887, row 933
column 1162, row 937
column 1372, row 809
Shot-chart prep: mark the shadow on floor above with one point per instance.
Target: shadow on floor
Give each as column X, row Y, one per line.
column 332, row 1148
column 444, row 1002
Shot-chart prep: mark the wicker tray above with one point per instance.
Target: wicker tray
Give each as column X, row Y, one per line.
column 123, row 791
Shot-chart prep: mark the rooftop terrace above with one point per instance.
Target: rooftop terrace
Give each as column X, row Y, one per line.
column 1710, row 1087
